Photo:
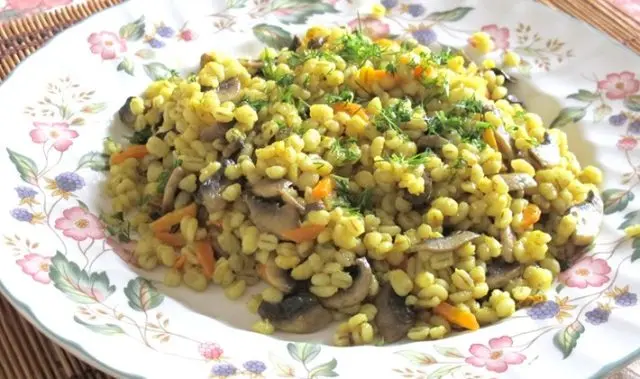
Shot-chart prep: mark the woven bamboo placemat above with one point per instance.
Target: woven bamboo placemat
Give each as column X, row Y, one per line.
column 27, row 354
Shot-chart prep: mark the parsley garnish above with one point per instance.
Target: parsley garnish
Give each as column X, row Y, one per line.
column 350, row 201
column 346, row 150
column 357, row 49
column 255, row 104
column 468, row 107
column 441, row 57
column 345, row 96
column 412, row 161
column 141, row 137
column 391, row 117
column 297, row 59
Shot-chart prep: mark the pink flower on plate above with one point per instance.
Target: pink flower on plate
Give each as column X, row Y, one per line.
column 23, row 5
column 210, row 350
column 627, row 143
column 58, row 132
column 499, row 35
column 79, row 224
column 631, row 7
column 494, row 357
column 107, row 44
column 371, row 27
column 619, row 86
column 55, row 3
column 587, row 272
column 37, row 266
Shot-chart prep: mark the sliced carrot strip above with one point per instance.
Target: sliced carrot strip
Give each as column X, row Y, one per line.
column 351, row 108
column 133, row 151
column 206, row 257
column 490, row 138
column 164, row 223
column 303, row 233
column 322, row 189
column 530, row 215
column 457, row 316
column 171, row 239
column 180, row 261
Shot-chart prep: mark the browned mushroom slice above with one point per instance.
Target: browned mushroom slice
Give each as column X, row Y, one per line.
column 500, row 273
column 300, row 313
column 508, row 241
column 295, row 43
column 232, row 148
column 589, row 216
column 546, row 154
column 505, row 143
column 171, row 189
column 445, row 244
column 126, row 115
column 288, row 198
column 316, row 43
column 229, row 90
column 422, row 199
column 210, row 192
column 215, row 131
column 255, row 64
column 268, row 188
column 315, row 206
column 358, row 291
column 276, row 277
column 219, row 252
column 519, row 181
column 394, row 317
column 431, row 141
column 270, row 217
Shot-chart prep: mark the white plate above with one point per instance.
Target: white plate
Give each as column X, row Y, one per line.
column 59, row 105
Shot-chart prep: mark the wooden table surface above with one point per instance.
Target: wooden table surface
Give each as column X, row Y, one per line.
column 27, row 354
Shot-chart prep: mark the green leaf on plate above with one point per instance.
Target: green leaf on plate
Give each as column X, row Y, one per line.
column 95, row 161
column 303, row 352
column 448, row 351
column 601, row 112
column 142, row 295
column 231, row 4
column 584, row 95
column 83, row 205
column 157, row 71
column 443, row 371
column 560, row 287
column 633, row 103
column 299, row 11
column 455, row 14
column 636, row 249
column 567, row 339
column 146, row 53
column 77, row 284
column 133, row 31
column 26, row 166
column 325, row 370
column 272, row 36
column 616, row 200
column 630, row 218
column 568, row 116
column 106, row 329
column 77, row 121
column 126, row 65
column 417, row 357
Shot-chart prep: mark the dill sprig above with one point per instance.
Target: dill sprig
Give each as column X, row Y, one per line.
column 412, row 161
column 356, row 48
column 350, row 201
column 297, row 59
column 257, row 104
column 141, row 137
column 345, row 96
column 390, row 118
column 346, row 150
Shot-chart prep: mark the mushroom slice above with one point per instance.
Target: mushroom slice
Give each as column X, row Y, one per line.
column 394, row 317
column 219, row 252
column 215, row 131
column 357, row 292
column 519, row 181
column 547, row 154
column 505, row 143
column 270, row 188
column 255, row 64
column 210, row 192
column 171, row 189
column 300, row 313
column 276, row 277
column 291, row 200
column 232, row 149
column 295, row 44
column 508, row 241
column 500, row 273
column 229, row 89
column 315, row 206
column 431, row 141
column 445, row 244
column 126, row 115
column 271, row 217
column 316, row 43
column 589, row 216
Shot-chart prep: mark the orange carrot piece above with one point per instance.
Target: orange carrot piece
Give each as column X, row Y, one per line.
column 180, row 261
column 417, row 72
column 171, row 239
column 164, row 223
column 490, row 138
column 303, row 233
column 351, row 108
column 322, row 189
column 206, row 258
column 457, row 316
column 530, row 215
column 133, row 151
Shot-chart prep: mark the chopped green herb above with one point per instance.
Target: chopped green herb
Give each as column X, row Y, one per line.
column 117, row 226
column 255, row 104
column 392, row 117
column 297, row 59
column 141, row 137
column 356, row 48
column 412, row 161
column 520, row 115
column 192, row 78
column 162, row 181
column 352, row 202
column 391, row 68
column 346, row 150
column 441, row 57
column 345, row 96
column 468, row 107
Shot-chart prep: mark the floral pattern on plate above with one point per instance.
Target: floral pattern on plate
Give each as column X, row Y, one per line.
column 56, row 244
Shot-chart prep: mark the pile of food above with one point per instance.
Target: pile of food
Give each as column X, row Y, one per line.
column 401, row 190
